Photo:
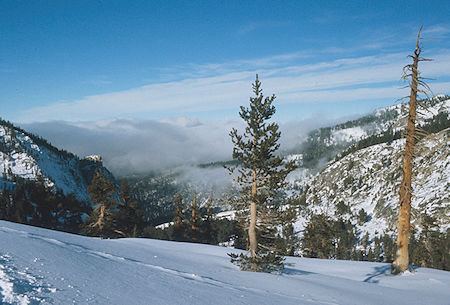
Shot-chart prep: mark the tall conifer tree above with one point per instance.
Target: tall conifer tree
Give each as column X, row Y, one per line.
column 261, row 174
column 129, row 218
column 101, row 222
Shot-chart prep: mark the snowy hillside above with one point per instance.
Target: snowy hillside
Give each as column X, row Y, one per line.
column 28, row 157
column 39, row 266
column 324, row 144
column 368, row 179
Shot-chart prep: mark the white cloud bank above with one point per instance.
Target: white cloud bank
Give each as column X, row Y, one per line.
column 137, row 146
column 130, row 146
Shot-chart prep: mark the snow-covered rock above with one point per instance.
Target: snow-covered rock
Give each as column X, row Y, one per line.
column 29, row 157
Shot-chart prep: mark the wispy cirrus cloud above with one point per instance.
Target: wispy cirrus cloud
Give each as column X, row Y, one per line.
column 345, row 79
column 438, row 31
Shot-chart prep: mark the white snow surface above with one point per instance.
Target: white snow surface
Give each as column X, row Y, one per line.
column 39, row 266
column 349, row 134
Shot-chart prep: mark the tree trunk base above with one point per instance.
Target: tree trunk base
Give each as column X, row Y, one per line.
column 397, row 268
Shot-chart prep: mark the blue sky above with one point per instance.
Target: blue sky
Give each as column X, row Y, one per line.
column 153, row 60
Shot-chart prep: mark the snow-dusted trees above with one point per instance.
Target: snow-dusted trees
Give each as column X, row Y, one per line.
column 411, row 71
column 261, row 175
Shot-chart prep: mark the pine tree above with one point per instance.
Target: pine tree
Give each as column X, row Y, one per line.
column 319, row 237
column 261, row 175
column 4, row 204
column 101, row 221
column 178, row 211
column 344, row 237
column 431, row 248
column 389, row 248
column 290, row 241
column 129, row 217
column 401, row 261
column 377, row 249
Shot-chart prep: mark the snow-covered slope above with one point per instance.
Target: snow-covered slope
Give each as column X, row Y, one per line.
column 39, row 266
column 324, row 143
column 26, row 156
column 368, row 179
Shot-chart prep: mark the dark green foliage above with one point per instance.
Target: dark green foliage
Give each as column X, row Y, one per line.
column 365, row 242
column 350, row 165
column 348, row 181
column 377, row 249
column 219, row 164
column 385, row 137
column 318, row 237
column 298, row 202
column 269, row 262
column 345, row 239
column 290, row 242
column 389, row 248
column 128, row 218
column 213, row 232
column 102, row 221
column 155, row 195
column 230, row 231
column 362, row 217
column 431, row 248
column 439, row 122
column 31, row 202
column 207, row 229
column 261, row 176
column 342, row 208
column 315, row 149
column 156, row 233
column 325, row 237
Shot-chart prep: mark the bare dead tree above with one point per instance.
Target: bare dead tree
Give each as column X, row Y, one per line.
column 416, row 85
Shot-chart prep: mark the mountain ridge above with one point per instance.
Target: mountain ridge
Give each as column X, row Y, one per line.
column 27, row 156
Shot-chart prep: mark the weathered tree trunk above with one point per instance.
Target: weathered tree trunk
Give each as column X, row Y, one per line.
column 101, row 216
column 194, row 212
column 252, row 227
column 401, row 261
column 178, row 218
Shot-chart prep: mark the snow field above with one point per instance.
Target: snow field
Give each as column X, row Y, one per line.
column 39, row 266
